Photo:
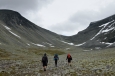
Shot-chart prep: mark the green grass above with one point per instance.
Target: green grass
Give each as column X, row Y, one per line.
column 48, row 51
column 94, row 63
column 4, row 73
column 3, row 53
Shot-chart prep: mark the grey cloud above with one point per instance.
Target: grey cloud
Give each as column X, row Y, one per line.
column 78, row 22
column 23, row 5
column 27, row 8
column 81, row 20
column 66, row 28
column 107, row 11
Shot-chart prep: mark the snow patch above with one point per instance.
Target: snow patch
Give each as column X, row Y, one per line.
column 28, row 44
column 97, row 48
column 110, row 44
column 80, row 44
column 107, row 30
column 106, row 43
column 14, row 34
column 7, row 28
column 49, row 44
column 38, row 45
column 105, row 38
column 67, row 48
column 104, row 25
column 67, row 43
column 11, row 31
column 52, row 46
column 86, row 50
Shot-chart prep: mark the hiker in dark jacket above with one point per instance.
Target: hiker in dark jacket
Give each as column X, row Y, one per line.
column 69, row 58
column 56, row 58
column 45, row 61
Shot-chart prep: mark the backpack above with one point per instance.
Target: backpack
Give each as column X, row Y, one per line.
column 56, row 57
column 44, row 59
column 69, row 57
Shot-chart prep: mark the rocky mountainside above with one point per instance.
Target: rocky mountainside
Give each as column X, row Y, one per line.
column 98, row 34
column 18, row 32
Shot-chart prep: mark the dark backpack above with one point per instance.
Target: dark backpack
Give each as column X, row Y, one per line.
column 44, row 59
column 56, row 57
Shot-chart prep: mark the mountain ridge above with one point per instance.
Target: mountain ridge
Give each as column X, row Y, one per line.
column 17, row 28
column 94, row 35
column 17, row 31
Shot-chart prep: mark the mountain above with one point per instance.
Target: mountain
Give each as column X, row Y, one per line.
column 99, row 34
column 18, row 32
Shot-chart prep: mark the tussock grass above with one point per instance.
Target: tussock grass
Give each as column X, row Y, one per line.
column 3, row 53
column 4, row 73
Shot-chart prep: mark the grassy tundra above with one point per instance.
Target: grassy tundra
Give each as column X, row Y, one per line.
column 27, row 62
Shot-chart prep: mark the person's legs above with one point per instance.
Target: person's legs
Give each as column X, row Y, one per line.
column 44, row 66
column 56, row 63
column 69, row 62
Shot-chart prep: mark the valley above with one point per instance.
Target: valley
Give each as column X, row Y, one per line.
column 84, row 63
column 23, row 43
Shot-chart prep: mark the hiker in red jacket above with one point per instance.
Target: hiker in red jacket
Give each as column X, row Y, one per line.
column 69, row 58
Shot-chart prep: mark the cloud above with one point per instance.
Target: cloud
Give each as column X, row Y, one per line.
column 77, row 22
column 66, row 17
column 81, row 20
column 27, row 8
column 66, row 28
column 23, row 5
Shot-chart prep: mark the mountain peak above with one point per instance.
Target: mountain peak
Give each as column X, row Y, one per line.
column 11, row 18
column 4, row 13
column 98, row 34
column 7, row 11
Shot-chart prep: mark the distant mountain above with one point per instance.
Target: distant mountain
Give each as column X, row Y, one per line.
column 98, row 34
column 18, row 32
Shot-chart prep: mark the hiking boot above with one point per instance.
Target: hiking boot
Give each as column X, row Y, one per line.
column 70, row 65
column 55, row 65
column 44, row 69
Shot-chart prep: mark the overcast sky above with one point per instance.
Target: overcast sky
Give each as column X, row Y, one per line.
column 65, row 17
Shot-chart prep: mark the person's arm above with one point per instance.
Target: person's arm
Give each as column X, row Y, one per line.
column 47, row 59
column 42, row 60
column 54, row 57
column 71, row 58
column 58, row 58
column 66, row 58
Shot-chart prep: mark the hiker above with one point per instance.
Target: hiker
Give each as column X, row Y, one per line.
column 69, row 58
column 45, row 61
column 56, row 58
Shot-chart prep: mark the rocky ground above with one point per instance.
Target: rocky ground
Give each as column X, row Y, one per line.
column 85, row 63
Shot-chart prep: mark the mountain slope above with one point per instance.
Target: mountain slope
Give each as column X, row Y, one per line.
column 98, row 34
column 18, row 32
